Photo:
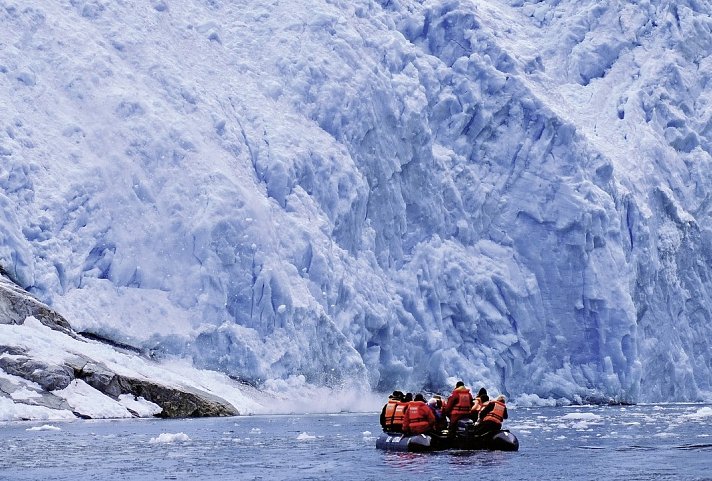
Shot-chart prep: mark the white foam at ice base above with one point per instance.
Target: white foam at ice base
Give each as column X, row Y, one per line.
column 294, row 395
column 295, row 229
column 44, row 427
column 305, row 437
column 255, row 431
column 533, row 400
column 167, row 438
column 701, row 414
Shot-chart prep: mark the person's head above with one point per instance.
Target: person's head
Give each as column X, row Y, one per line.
column 396, row 395
column 408, row 397
column 419, row 397
column 482, row 392
column 432, row 402
column 460, row 384
column 501, row 398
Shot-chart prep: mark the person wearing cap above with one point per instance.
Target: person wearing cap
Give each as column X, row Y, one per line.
column 492, row 416
column 418, row 418
column 458, row 405
column 393, row 412
column 435, row 404
column 480, row 400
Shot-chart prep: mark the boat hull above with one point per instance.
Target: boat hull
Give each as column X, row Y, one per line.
column 501, row 440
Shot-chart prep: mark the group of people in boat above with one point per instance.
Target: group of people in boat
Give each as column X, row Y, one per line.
column 411, row 415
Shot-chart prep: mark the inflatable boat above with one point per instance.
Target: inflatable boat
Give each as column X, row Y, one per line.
column 501, row 440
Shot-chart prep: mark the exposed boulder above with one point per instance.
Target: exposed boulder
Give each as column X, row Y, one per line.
column 49, row 377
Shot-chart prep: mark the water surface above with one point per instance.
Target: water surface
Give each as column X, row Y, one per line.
column 601, row 443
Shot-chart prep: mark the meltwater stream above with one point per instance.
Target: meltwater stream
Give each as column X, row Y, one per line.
column 587, row 443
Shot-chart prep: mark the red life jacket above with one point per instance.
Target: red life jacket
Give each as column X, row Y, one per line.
column 463, row 401
column 496, row 415
column 419, row 418
column 395, row 410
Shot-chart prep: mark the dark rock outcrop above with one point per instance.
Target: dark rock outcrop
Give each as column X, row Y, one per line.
column 16, row 305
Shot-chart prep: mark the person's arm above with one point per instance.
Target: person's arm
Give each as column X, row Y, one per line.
column 505, row 413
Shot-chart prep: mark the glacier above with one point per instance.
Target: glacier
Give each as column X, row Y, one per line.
column 368, row 195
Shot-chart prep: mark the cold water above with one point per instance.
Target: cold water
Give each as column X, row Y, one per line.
column 601, row 443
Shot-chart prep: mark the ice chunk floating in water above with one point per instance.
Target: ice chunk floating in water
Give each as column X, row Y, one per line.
column 167, row 438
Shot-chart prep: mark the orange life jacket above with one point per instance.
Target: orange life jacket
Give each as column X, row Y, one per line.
column 395, row 410
column 496, row 415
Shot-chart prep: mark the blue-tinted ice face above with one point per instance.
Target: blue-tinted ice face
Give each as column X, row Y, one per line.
column 391, row 195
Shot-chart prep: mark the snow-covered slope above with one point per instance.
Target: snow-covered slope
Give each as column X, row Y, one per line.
column 371, row 194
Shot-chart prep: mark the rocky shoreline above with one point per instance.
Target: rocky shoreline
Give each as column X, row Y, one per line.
column 31, row 377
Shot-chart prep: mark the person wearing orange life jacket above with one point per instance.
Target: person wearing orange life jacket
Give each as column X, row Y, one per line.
column 480, row 401
column 458, row 405
column 392, row 413
column 418, row 418
column 388, row 411
column 492, row 416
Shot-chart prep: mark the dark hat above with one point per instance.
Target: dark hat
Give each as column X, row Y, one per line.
column 396, row 395
column 419, row 397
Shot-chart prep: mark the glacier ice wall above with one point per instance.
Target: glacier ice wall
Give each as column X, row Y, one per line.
column 389, row 194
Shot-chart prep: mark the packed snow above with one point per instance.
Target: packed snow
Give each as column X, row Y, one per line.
column 330, row 198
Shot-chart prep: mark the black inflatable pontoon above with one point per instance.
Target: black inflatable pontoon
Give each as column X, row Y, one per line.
column 501, row 440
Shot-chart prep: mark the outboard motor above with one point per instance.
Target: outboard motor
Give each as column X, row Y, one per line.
column 465, row 428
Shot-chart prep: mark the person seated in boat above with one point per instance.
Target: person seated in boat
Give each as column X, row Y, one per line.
column 418, row 418
column 458, row 405
column 392, row 412
column 435, row 404
column 480, row 400
column 492, row 416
